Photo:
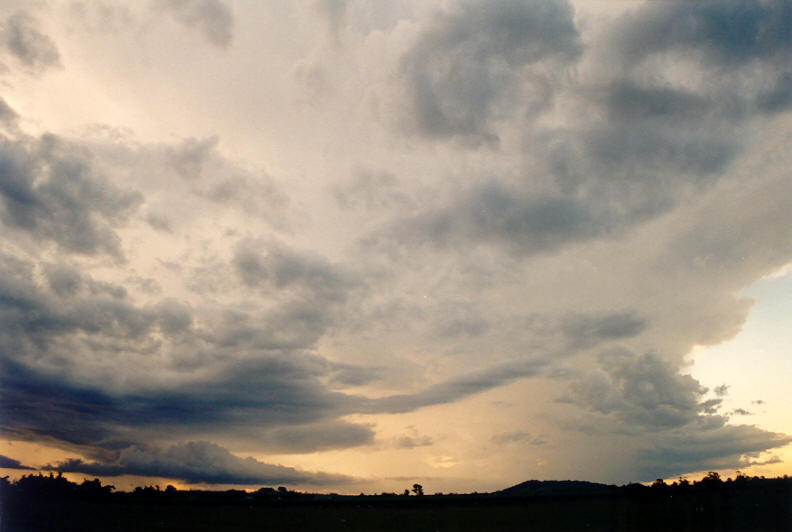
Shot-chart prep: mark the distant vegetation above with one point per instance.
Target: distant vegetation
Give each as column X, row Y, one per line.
column 36, row 503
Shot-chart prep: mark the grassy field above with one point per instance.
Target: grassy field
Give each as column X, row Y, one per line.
column 598, row 513
column 53, row 504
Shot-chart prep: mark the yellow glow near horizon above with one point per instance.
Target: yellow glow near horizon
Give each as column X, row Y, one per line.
column 756, row 366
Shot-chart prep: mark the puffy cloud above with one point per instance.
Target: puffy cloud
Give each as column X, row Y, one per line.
column 197, row 462
column 721, row 390
column 469, row 69
column 641, row 390
column 52, row 192
column 724, row 447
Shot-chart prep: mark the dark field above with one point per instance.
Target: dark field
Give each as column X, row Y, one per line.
column 760, row 504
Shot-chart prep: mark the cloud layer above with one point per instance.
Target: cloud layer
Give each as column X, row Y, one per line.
column 289, row 244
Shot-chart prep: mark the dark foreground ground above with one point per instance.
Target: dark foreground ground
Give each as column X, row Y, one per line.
column 755, row 504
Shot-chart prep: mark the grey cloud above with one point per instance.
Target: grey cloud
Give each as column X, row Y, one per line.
column 627, row 101
column 255, row 195
column 454, row 389
column 10, row 463
column 768, row 461
column 318, row 437
column 35, row 407
column 629, row 148
column 493, row 214
column 628, row 168
column 250, row 265
column 266, row 394
column 587, row 330
column 160, row 222
column 295, row 324
column 67, row 281
column 722, row 390
column 173, row 316
column 99, row 16
column 741, row 412
column 8, row 117
column 517, row 436
column 710, row 406
column 279, row 401
column 779, row 97
column 51, row 191
column 33, row 320
column 64, row 281
column 186, row 179
column 649, row 142
column 306, row 294
column 627, row 173
column 727, row 33
column 372, row 191
column 213, row 18
column 198, row 462
column 189, row 158
column 459, row 319
column 335, row 11
column 466, row 71
column 643, row 390
column 21, row 38
column 723, row 37
column 343, row 375
column 722, row 447
column 282, row 268
column 410, row 442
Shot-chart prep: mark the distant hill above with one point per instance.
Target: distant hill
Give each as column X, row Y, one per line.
column 557, row 487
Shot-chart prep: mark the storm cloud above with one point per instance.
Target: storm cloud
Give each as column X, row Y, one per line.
column 466, row 72
column 50, row 191
column 197, row 462
column 512, row 225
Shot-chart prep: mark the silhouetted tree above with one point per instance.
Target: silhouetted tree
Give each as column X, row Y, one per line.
column 94, row 488
column 417, row 489
column 711, row 479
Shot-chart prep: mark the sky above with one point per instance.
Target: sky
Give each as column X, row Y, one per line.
column 347, row 246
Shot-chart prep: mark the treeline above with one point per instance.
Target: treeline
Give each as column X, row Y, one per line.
column 54, row 486
column 37, row 502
